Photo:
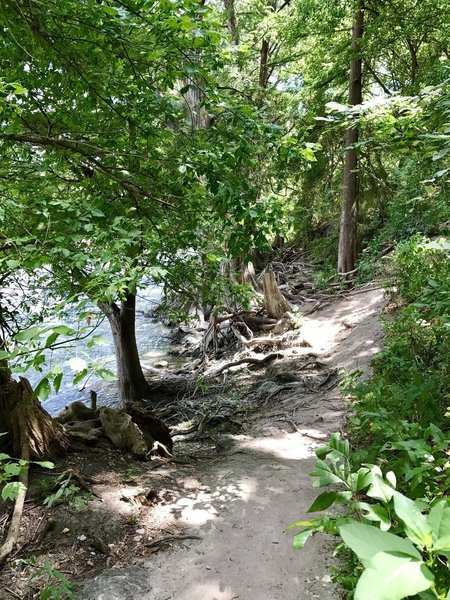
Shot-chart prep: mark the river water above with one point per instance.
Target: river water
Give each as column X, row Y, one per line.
column 153, row 341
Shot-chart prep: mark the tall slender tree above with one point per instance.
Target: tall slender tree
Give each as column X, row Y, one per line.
column 347, row 251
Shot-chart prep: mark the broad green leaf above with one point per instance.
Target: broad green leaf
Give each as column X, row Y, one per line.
column 443, row 544
column 12, row 264
column 64, row 330
column 4, row 354
column 366, row 541
column 80, row 376
column 377, row 513
column 44, row 464
column 323, row 501
column 439, row 519
column 380, row 490
column 51, row 339
column 12, row 490
column 97, row 340
column 392, row 576
column 299, row 539
column 326, row 499
column 4, row 456
column 57, row 382
column 28, row 334
column 416, row 526
column 324, row 474
column 12, row 469
column 43, row 389
column 106, row 374
column 109, row 10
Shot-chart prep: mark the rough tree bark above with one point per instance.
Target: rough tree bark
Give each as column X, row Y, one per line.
column 347, row 252
column 275, row 303
column 132, row 385
column 25, row 421
column 232, row 21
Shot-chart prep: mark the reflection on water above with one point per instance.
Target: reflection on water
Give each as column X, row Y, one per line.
column 153, row 343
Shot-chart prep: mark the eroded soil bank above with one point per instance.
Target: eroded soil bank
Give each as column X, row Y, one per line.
column 211, row 524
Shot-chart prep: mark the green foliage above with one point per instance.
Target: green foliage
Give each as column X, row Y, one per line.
column 392, row 537
column 60, row 588
column 67, row 493
column 10, row 469
column 394, row 485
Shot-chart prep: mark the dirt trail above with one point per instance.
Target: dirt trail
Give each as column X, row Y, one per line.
column 242, row 499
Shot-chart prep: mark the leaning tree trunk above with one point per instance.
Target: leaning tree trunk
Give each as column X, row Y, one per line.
column 347, row 252
column 25, row 421
column 122, row 319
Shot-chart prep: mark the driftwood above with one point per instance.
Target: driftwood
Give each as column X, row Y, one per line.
column 122, row 432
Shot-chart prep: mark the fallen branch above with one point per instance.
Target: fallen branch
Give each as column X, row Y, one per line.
column 13, row 532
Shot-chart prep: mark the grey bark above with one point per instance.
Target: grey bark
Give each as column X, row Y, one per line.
column 132, row 385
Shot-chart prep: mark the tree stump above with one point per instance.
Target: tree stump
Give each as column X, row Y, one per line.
column 27, row 422
column 275, row 303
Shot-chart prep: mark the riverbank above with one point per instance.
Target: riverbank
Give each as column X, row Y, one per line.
column 211, row 522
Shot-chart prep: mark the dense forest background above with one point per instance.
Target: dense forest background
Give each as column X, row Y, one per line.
column 177, row 142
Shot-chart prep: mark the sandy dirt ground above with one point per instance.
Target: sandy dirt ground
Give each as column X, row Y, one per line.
column 242, row 500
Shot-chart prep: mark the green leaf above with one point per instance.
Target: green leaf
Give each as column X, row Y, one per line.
column 4, row 354
column 80, row 376
column 323, row 501
column 442, row 544
column 106, row 374
column 19, row 89
column 326, row 499
column 64, row 330
column 43, row 389
column 109, row 10
column 57, row 382
column 51, row 339
column 325, row 474
column 377, row 513
column 12, row 469
column 439, row 519
column 392, row 576
column 366, row 541
column 300, row 539
column 44, row 464
column 416, row 526
column 379, row 489
column 12, row 490
column 12, row 264
column 28, row 334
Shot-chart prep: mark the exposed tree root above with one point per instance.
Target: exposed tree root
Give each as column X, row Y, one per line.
column 249, row 360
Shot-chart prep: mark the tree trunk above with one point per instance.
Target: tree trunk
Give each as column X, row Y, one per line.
column 263, row 64
column 25, row 421
column 347, row 253
column 275, row 303
column 132, row 385
column 232, row 21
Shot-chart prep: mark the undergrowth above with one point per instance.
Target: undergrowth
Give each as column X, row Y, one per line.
column 392, row 473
